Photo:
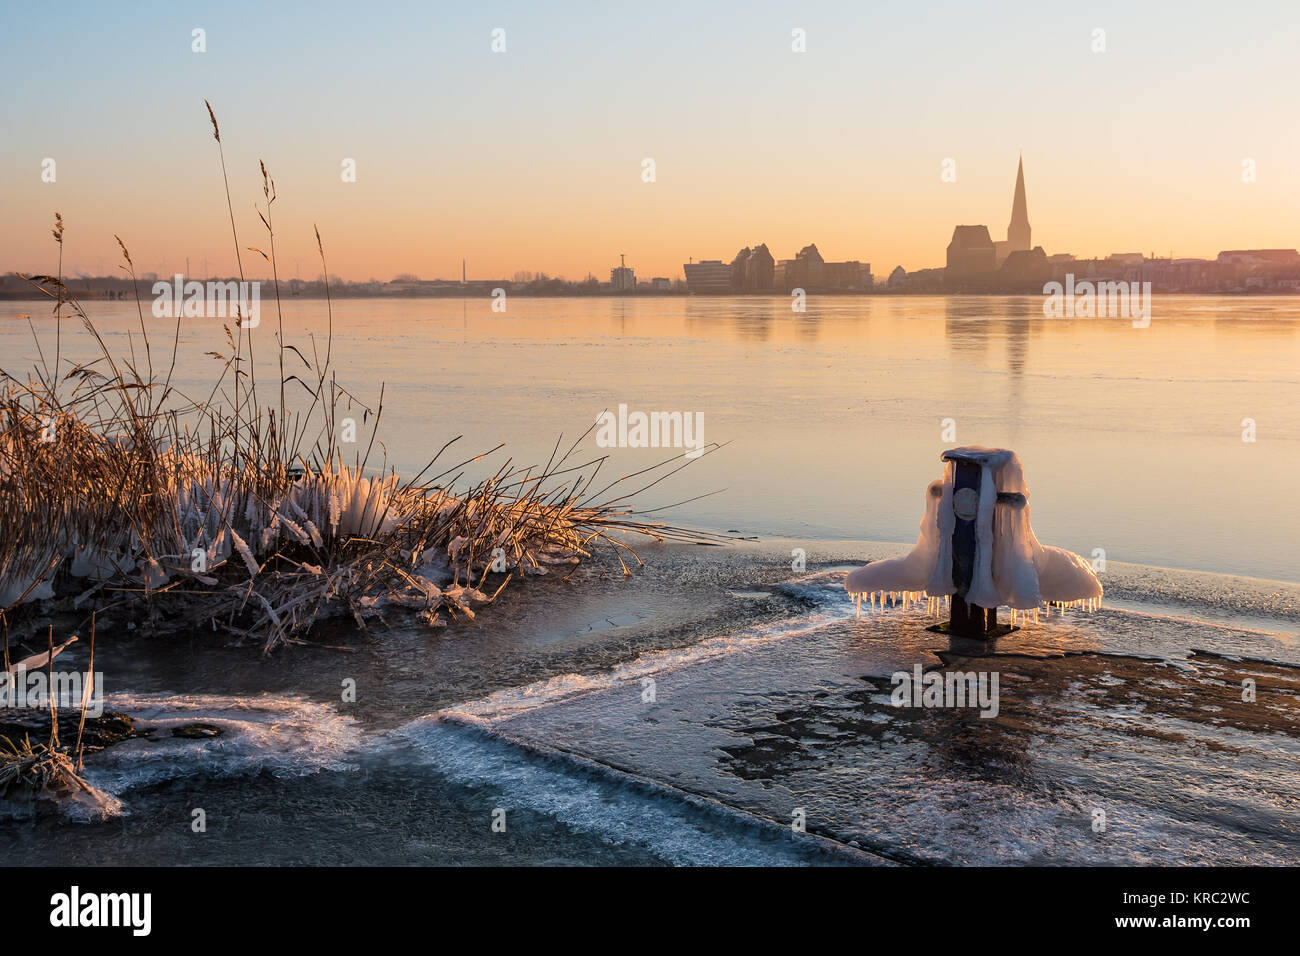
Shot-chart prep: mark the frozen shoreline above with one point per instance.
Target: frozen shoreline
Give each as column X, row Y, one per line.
column 738, row 629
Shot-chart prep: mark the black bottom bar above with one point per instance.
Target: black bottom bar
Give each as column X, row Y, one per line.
column 335, row 906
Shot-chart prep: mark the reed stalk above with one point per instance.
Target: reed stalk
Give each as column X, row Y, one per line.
column 217, row 509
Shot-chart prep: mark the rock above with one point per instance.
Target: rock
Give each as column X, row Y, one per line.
column 108, row 728
column 196, row 731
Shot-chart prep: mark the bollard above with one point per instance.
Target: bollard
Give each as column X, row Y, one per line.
column 969, row 620
column 1021, row 572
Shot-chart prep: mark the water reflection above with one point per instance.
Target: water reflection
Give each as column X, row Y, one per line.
column 834, row 414
column 971, row 323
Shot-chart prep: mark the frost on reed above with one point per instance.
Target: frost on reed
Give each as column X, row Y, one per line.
column 237, row 510
column 50, row 769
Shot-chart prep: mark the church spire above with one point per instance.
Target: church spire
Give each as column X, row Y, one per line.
column 1018, row 231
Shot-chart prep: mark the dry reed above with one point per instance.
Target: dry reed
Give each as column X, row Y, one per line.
column 118, row 490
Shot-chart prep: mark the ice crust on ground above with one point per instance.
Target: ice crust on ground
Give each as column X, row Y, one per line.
column 1012, row 567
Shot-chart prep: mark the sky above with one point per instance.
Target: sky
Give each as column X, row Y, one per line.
column 533, row 158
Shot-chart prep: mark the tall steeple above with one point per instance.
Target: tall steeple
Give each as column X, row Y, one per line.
column 1018, row 230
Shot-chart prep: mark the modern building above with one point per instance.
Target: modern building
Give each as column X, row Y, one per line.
column 850, row 276
column 622, row 279
column 708, row 277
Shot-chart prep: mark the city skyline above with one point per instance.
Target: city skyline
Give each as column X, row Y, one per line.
column 844, row 144
column 809, row 269
column 974, row 263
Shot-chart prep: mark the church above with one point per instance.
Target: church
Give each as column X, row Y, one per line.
column 1018, row 229
column 977, row 263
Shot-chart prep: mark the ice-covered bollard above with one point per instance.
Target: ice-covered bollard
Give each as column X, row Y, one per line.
column 977, row 549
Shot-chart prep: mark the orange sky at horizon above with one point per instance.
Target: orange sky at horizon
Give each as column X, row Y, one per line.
column 531, row 159
column 378, row 232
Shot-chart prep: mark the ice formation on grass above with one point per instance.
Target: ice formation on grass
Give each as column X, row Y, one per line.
column 211, row 517
column 1012, row 567
column 207, row 508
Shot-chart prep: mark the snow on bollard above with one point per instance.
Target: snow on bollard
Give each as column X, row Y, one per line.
column 977, row 552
